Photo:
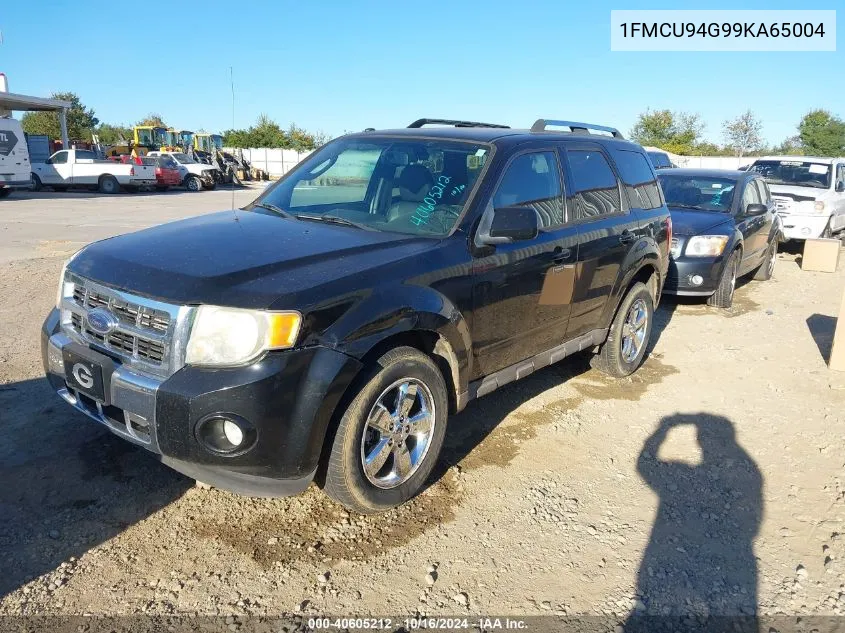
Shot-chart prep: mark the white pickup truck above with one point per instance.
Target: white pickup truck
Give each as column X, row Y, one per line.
column 81, row 168
column 195, row 176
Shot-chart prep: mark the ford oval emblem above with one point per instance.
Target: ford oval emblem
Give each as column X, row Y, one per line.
column 101, row 321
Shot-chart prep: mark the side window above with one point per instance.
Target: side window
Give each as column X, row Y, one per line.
column 765, row 196
column 60, row 158
column 533, row 180
column 840, row 173
column 84, row 154
column 638, row 177
column 750, row 195
column 596, row 189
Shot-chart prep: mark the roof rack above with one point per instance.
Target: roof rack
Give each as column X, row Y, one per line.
column 575, row 127
column 422, row 122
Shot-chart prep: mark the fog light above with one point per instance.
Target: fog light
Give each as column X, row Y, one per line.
column 696, row 280
column 225, row 433
column 233, row 432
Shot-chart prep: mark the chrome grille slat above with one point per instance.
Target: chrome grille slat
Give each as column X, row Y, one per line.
column 144, row 331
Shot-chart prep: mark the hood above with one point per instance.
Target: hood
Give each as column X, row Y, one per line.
column 198, row 168
column 688, row 222
column 240, row 258
column 798, row 193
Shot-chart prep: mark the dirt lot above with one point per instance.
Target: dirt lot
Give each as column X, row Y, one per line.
column 709, row 482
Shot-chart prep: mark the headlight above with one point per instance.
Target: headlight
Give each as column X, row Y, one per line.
column 818, row 205
column 231, row 336
column 706, row 245
column 60, row 291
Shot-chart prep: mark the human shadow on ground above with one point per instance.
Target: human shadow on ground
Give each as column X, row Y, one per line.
column 699, row 572
column 822, row 328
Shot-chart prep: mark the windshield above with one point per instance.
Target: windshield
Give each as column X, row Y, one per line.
column 799, row 173
column 702, row 194
column 659, row 159
column 184, row 158
column 408, row 185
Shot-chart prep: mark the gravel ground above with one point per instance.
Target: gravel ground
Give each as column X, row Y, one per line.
column 710, row 482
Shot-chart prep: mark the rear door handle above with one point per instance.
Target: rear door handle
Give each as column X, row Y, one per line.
column 626, row 237
column 561, row 255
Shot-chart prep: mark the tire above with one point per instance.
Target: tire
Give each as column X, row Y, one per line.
column 767, row 268
column 5, row 192
column 724, row 295
column 108, row 184
column 627, row 340
column 396, row 477
column 36, row 182
column 827, row 233
column 193, row 183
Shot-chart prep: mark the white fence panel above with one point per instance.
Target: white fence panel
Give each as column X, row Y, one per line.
column 276, row 162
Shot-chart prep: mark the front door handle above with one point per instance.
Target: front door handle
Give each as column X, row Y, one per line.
column 626, row 237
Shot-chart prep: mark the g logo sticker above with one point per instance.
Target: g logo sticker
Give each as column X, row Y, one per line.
column 83, row 375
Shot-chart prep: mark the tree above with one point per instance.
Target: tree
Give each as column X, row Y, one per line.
column 789, row 147
column 822, row 134
column 80, row 120
column 742, row 134
column 110, row 134
column 676, row 132
column 268, row 133
column 152, row 119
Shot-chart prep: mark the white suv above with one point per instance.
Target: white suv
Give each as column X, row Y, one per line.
column 808, row 192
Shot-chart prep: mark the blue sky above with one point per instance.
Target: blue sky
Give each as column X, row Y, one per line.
column 336, row 65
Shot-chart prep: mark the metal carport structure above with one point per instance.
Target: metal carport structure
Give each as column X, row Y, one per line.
column 25, row 103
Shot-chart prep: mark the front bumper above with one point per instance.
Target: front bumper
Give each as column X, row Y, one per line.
column 803, row 227
column 682, row 271
column 288, row 397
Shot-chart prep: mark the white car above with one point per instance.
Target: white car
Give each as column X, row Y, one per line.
column 195, row 175
column 14, row 157
column 808, row 193
column 81, row 168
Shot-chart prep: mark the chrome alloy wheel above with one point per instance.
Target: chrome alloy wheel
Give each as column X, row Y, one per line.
column 634, row 331
column 398, row 433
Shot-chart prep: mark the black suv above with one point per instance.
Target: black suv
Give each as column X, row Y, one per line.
column 329, row 328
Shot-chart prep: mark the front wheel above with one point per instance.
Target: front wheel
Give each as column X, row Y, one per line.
column 193, row 183
column 627, row 340
column 36, row 182
column 391, row 434
column 724, row 295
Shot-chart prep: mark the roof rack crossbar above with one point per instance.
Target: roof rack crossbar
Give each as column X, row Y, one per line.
column 422, row 122
column 576, row 127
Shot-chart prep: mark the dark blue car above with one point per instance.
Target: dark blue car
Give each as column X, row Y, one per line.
column 724, row 227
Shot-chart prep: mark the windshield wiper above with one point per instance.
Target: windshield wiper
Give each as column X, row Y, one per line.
column 273, row 208
column 333, row 219
column 684, row 206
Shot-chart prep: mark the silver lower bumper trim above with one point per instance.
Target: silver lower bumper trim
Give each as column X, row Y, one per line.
column 133, row 397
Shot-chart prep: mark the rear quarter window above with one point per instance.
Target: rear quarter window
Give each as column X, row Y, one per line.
column 639, row 179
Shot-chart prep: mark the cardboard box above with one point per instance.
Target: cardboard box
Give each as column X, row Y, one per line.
column 821, row 255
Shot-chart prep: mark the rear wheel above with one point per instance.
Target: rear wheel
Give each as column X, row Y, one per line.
column 193, row 183
column 724, row 295
column 390, row 436
column 36, row 182
column 627, row 340
column 767, row 268
column 109, row 184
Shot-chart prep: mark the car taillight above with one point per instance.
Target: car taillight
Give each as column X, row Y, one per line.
column 131, row 171
column 158, row 171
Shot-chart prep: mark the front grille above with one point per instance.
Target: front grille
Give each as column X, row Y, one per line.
column 144, row 328
column 782, row 204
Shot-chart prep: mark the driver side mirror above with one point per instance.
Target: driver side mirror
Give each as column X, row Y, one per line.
column 510, row 224
column 840, row 186
column 49, row 161
column 756, row 209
